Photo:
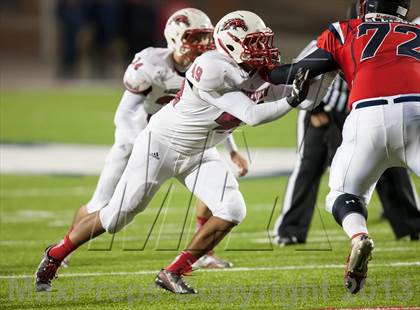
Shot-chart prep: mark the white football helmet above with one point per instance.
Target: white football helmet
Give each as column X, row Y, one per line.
column 417, row 20
column 244, row 36
column 189, row 30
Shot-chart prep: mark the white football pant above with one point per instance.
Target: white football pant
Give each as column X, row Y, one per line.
column 375, row 138
column 152, row 163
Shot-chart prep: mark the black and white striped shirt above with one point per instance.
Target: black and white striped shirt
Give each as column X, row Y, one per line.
column 337, row 96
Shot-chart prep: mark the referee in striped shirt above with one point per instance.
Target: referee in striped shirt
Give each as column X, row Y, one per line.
column 319, row 135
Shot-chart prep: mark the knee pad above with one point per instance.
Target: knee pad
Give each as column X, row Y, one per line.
column 121, row 211
column 346, row 204
column 232, row 209
column 116, row 221
column 93, row 206
column 238, row 213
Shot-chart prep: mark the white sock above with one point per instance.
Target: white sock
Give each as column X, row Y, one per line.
column 353, row 224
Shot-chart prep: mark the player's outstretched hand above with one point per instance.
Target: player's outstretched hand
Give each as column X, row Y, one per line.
column 240, row 161
column 300, row 88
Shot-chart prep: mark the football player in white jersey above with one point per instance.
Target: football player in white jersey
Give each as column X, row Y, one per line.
column 152, row 80
column 221, row 91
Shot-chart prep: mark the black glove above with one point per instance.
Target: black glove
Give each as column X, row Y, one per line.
column 300, row 88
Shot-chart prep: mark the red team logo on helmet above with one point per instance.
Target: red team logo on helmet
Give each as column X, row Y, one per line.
column 181, row 19
column 234, row 24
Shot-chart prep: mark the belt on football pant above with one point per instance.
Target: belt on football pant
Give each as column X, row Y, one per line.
column 371, row 103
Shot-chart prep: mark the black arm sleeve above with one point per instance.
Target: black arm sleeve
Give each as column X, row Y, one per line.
column 318, row 62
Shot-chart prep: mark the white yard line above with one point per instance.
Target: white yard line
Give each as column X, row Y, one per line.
column 74, row 159
column 47, row 192
column 70, row 191
column 238, row 269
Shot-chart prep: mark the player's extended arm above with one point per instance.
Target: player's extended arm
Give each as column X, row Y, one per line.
column 241, row 106
column 318, row 62
column 128, row 103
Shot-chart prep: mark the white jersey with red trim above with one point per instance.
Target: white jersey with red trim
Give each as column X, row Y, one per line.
column 217, row 97
column 152, row 81
column 151, row 77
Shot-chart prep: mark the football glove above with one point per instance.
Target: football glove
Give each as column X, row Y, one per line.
column 300, row 88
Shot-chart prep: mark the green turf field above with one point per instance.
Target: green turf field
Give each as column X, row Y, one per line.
column 36, row 210
column 86, row 116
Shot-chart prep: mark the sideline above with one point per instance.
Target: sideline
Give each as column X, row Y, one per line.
column 238, row 269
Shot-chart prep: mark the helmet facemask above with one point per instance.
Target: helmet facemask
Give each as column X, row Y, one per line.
column 244, row 37
column 197, row 41
column 259, row 50
column 189, row 32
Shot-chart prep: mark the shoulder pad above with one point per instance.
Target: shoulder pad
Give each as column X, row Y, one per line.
column 139, row 74
column 135, row 80
column 309, row 49
column 337, row 30
column 341, row 29
column 209, row 72
column 334, row 37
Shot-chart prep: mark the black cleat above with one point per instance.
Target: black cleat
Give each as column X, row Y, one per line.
column 415, row 236
column 172, row 282
column 46, row 272
column 357, row 263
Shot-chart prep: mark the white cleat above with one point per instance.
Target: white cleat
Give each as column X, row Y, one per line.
column 66, row 262
column 209, row 261
column 357, row 263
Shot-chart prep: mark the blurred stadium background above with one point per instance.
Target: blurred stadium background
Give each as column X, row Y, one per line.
column 36, row 35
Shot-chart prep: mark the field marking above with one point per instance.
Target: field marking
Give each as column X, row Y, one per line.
column 66, row 191
column 59, row 158
column 237, row 269
column 47, row 192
